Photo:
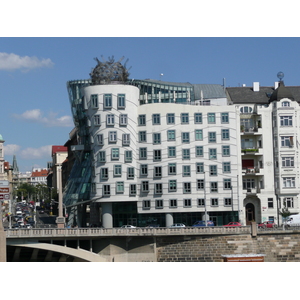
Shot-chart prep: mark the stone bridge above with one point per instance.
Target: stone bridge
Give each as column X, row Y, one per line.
column 151, row 244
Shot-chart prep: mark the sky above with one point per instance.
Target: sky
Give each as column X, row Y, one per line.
column 34, row 71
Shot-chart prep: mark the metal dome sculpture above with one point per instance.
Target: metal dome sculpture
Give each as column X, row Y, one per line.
column 108, row 71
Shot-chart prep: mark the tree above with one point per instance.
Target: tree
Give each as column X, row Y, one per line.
column 285, row 213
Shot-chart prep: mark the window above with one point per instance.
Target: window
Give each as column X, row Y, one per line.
column 156, row 138
column 213, row 171
column 132, row 189
column 123, row 119
column 128, row 155
column 227, row 202
column 285, row 104
column 170, row 118
column 248, row 184
column 288, row 202
column 214, row 201
column 199, row 167
column 198, row 118
column 172, row 185
column 186, row 154
column 172, row 169
column 270, row 203
column 115, row 153
column 142, row 136
column 101, row 156
column 226, row 167
column 211, row 118
column 156, row 119
column 287, row 141
column 107, row 101
column 187, row 188
column 103, row 173
column 286, row 121
column 158, row 188
column 225, row 150
column 185, row 137
column 171, row 135
column 143, row 153
column 94, row 101
column 214, row 186
column 157, row 155
column 288, row 161
column 106, row 190
column 289, row 182
column 99, row 139
column 184, row 118
column 97, row 120
column 146, row 204
column 159, row 203
column 199, row 151
column 119, row 187
column 200, row 184
column 212, row 153
column 171, row 151
column 145, row 186
column 117, row 170
column 142, row 120
column 130, row 173
column 110, row 120
column 112, row 136
column 121, row 101
column 173, row 203
column 126, row 139
column 198, row 135
column 200, row 202
column 186, row 171
column 224, row 118
column 227, row 183
column 246, row 109
column 225, row 134
column 187, row 202
column 212, row 138
column 144, row 170
column 157, row 172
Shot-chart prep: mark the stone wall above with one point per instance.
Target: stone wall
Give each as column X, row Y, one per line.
column 277, row 247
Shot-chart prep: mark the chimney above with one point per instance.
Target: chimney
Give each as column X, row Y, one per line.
column 276, row 84
column 255, row 86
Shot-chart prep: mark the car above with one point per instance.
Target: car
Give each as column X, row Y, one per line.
column 41, row 211
column 267, row 224
column 128, row 226
column 233, row 224
column 178, row 225
column 202, row 223
column 152, row 226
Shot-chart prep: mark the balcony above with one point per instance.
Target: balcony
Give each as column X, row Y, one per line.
column 251, row 171
column 252, row 191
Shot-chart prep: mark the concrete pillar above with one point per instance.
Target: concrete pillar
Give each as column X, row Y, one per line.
column 169, row 219
column 107, row 218
column 2, row 242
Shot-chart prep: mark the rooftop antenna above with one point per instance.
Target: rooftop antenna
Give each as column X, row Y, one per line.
column 160, row 76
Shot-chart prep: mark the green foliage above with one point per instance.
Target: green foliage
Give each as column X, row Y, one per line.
column 285, row 212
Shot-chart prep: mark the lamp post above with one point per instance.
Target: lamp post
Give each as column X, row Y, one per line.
column 60, row 220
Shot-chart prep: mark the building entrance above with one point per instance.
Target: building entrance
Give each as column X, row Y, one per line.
column 250, row 213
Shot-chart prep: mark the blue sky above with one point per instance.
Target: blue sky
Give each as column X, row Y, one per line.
column 33, row 74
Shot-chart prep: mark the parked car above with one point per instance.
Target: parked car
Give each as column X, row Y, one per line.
column 268, row 224
column 202, row 223
column 178, row 225
column 128, row 226
column 233, row 224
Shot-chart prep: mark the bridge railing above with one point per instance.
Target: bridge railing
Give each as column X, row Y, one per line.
column 140, row 231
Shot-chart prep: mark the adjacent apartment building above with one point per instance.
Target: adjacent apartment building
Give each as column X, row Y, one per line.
column 153, row 152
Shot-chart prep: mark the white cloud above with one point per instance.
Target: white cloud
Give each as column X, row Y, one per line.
column 36, row 116
column 11, row 149
column 28, row 153
column 11, row 61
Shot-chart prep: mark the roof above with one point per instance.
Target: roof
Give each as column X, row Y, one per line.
column 41, row 173
column 56, row 149
column 209, row 91
column 263, row 96
column 281, row 92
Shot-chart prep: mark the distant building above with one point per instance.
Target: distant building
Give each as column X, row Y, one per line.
column 39, row 176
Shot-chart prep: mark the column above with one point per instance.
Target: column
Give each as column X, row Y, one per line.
column 169, row 219
column 107, row 218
